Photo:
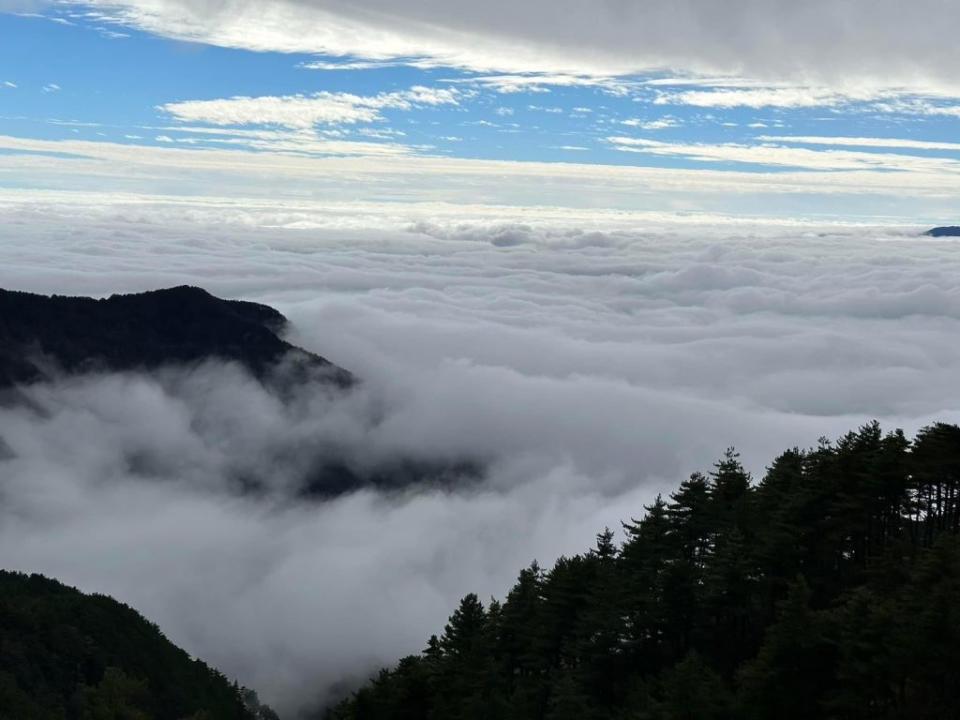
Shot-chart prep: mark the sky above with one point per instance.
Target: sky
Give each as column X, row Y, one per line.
column 824, row 111
column 592, row 244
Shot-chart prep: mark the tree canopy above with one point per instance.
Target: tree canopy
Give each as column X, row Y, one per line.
column 829, row 589
column 65, row 655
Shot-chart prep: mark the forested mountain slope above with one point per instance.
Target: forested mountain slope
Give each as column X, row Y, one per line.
column 65, row 655
column 830, row 589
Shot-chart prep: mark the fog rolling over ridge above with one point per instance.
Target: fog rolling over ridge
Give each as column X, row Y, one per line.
column 588, row 365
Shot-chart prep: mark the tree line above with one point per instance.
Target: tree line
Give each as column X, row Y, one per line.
column 829, row 589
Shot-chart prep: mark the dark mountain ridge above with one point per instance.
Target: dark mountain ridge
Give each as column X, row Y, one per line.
column 46, row 337
column 43, row 336
column 945, row 231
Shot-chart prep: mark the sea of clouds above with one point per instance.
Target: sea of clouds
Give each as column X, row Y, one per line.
column 589, row 360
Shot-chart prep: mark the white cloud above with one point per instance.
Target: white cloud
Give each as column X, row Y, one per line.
column 779, row 155
column 51, row 88
column 554, row 110
column 726, row 94
column 308, row 143
column 542, row 82
column 823, row 43
column 917, row 106
column 658, row 124
column 346, row 65
column 9, row 84
column 507, row 334
column 378, row 170
column 289, row 143
column 861, row 142
column 303, row 112
column 112, row 34
column 782, row 97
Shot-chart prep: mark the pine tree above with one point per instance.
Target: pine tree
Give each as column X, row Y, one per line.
column 830, row 590
column 521, row 665
column 645, row 554
column 692, row 690
column 793, row 670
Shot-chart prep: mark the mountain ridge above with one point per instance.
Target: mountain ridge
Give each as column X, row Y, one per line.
column 44, row 336
column 944, row 231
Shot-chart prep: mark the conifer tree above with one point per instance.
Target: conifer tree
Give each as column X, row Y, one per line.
column 831, row 590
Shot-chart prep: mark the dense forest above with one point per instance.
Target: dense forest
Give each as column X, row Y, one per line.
column 69, row 656
column 830, row 589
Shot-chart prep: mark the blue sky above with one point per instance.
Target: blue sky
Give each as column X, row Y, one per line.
column 137, row 75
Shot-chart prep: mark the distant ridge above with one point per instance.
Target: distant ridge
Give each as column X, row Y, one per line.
column 41, row 336
column 945, row 231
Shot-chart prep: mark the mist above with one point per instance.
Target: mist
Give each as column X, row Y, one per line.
column 586, row 366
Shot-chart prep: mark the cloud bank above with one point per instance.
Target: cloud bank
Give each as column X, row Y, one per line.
column 298, row 166
column 592, row 361
column 841, row 45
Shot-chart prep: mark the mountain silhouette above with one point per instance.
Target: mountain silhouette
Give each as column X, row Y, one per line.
column 945, row 231
column 43, row 336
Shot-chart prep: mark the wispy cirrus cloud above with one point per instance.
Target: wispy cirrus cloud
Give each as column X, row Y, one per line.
column 782, row 156
column 765, row 97
column 873, row 142
column 918, row 106
column 308, row 143
column 658, row 124
column 346, row 65
column 542, row 82
column 773, row 184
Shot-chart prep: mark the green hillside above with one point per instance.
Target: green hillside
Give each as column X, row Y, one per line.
column 65, row 655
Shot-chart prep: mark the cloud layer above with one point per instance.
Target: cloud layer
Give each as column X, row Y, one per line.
column 838, row 44
column 591, row 360
column 302, row 164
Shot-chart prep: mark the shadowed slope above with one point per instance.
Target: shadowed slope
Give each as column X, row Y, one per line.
column 40, row 335
column 66, row 655
column 42, row 338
